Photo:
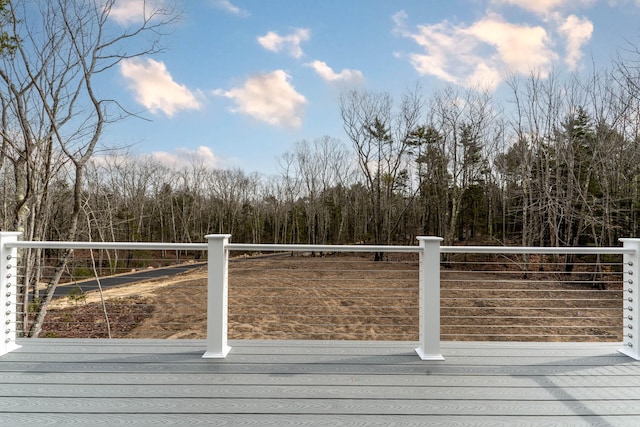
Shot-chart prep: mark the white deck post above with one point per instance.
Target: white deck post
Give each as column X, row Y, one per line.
column 217, row 295
column 9, row 284
column 631, row 299
column 429, row 299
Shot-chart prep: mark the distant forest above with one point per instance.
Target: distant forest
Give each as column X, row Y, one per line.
column 556, row 163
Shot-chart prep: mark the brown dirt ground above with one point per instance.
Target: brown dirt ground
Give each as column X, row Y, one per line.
column 349, row 297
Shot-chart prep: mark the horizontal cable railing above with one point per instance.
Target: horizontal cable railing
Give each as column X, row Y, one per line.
column 133, row 291
column 531, row 298
column 491, row 298
column 341, row 295
column 144, row 290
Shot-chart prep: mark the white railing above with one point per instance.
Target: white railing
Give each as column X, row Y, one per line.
column 532, row 294
column 9, row 290
column 219, row 245
column 218, row 248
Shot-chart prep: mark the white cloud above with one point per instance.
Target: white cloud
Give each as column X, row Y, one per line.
column 483, row 77
column 184, row 157
column 227, row 6
column 291, row 43
column 440, row 41
column 482, row 52
column 478, row 54
column 577, row 32
column 126, row 12
column 269, row 98
column 155, row 88
column 521, row 48
column 327, row 73
column 433, row 64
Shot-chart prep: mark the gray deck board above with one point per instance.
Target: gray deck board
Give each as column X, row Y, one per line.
column 154, row 382
column 319, row 420
column 332, row 406
column 339, row 391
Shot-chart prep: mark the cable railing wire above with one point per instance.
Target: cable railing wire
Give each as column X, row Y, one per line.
column 531, row 299
column 343, row 296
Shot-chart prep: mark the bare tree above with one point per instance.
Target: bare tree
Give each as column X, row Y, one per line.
column 289, row 189
column 319, row 166
column 463, row 124
column 54, row 116
column 380, row 136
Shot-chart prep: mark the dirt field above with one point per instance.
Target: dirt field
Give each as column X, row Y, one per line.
column 350, row 297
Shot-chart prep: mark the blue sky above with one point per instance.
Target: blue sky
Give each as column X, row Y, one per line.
column 241, row 81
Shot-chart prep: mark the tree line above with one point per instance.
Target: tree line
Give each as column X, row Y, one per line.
column 561, row 167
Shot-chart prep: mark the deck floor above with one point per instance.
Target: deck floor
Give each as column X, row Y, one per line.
column 154, row 382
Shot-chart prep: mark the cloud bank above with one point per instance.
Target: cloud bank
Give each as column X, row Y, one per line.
column 483, row 52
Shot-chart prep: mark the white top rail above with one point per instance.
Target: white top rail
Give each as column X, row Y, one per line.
column 109, row 245
column 318, row 248
column 443, row 249
column 534, row 250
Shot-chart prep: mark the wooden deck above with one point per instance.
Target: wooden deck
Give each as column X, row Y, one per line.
column 152, row 382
